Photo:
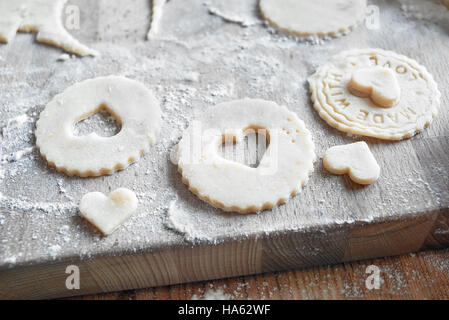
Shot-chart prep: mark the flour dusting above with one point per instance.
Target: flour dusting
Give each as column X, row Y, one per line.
column 213, row 294
column 231, row 18
column 182, row 222
column 54, row 250
column 18, row 121
column 157, row 7
column 430, row 10
column 16, row 156
column 63, row 57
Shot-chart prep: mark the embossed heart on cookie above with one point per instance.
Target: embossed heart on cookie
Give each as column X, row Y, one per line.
column 108, row 213
column 354, row 159
column 378, row 83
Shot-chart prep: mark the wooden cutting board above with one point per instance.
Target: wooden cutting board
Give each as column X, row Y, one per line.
column 198, row 60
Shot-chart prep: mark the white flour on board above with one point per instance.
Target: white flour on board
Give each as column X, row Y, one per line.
column 16, row 156
column 231, row 17
column 54, row 250
column 430, row 10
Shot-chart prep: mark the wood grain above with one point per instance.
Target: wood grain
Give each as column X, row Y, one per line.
column 414, row 276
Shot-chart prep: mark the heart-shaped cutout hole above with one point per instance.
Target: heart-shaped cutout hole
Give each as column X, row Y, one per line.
column 251, row 148
column 101, row 121
column 378, row 83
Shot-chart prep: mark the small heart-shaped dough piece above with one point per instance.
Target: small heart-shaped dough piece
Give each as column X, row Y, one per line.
column 108, row 213
column 354, row 159
column 378, row 83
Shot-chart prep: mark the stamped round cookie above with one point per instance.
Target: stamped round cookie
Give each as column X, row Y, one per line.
column 232, row 186
column 128, row 101
column 376, row 93
column 313, row 18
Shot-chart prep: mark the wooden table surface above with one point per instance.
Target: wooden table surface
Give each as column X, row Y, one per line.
column 422, row 275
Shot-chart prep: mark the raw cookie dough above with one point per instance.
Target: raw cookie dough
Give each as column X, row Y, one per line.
column 313, row 18
column 129, row 101
column 42, row 17
column 231, row 186
column 378, row 83
column 108, row 213
column 446, row 3
column 354, row 159
column 156, row 16
column 414, row 108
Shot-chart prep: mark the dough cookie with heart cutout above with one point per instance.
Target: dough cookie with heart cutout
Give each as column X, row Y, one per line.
column 376, row 93
column 128, row 101
column 231, row 186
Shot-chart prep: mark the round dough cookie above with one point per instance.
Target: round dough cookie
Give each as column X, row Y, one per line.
column 231, row 186
column 313, row 18
column 376, row 93
column 129, row 101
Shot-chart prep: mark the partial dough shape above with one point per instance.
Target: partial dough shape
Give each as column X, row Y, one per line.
column 231, row 186
column 108, row 213
column 313, row 18
column 354, row 159
column 129, row 101
column 157, row 7
column 42, row 17
column 378, row 83
column 346, row 112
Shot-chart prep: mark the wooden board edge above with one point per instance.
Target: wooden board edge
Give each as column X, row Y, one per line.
column 291, row 250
